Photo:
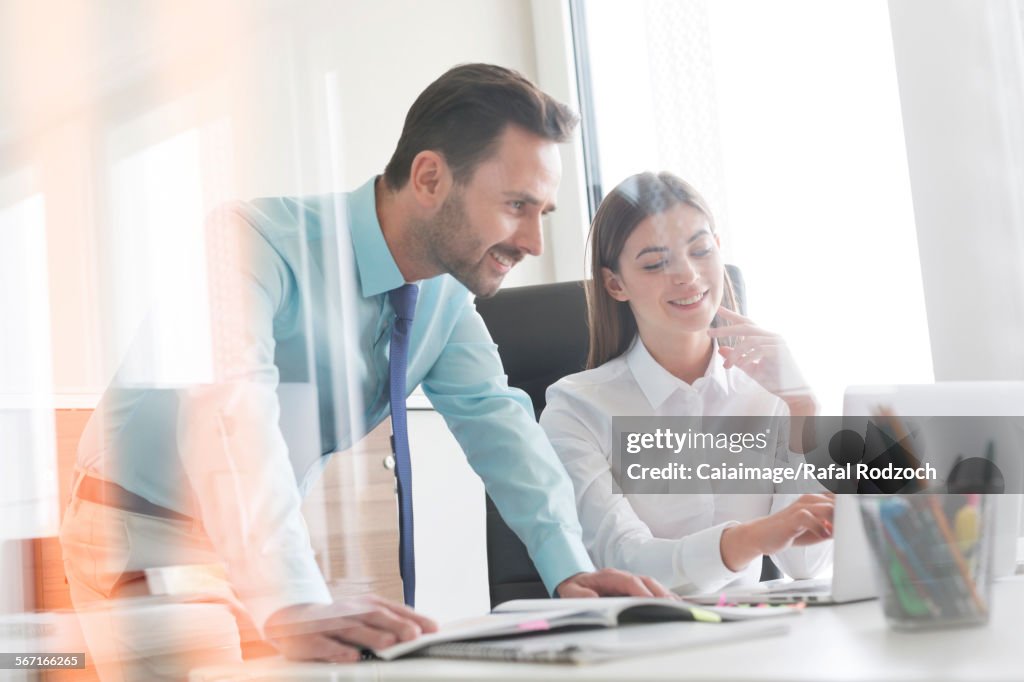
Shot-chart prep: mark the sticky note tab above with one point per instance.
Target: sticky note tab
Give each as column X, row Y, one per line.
column 704, row 616
column 532, row 625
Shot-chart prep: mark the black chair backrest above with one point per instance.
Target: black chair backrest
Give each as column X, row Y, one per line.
column 541, row 333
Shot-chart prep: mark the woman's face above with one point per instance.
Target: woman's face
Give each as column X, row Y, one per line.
column 671, row 273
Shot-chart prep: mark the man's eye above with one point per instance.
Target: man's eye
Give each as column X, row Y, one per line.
column 517, row 205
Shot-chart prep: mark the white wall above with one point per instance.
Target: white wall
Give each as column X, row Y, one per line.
column 448, row 505
column 961, row 81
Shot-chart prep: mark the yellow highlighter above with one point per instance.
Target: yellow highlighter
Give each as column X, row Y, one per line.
column 967, row 527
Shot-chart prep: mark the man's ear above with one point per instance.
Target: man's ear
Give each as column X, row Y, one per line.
column 613, row 285
column 430, row 179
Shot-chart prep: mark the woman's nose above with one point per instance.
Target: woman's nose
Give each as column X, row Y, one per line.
column 685, row 273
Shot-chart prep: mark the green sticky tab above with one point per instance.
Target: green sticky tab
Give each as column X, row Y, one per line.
column 705, row 616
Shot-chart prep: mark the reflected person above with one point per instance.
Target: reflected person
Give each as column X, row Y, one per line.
column 320, row 289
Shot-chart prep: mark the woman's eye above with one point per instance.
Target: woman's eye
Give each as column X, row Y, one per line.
column 655, row 266
column 702, row 253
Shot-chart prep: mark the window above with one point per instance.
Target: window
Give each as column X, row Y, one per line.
column 158, row 253
column 786, row 116
column 28, row 487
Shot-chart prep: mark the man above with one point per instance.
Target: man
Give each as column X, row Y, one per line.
column 353, row 293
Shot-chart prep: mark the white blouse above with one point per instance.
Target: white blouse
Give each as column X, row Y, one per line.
column 672, row 538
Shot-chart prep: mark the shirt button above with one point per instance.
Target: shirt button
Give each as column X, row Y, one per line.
column 389, row 462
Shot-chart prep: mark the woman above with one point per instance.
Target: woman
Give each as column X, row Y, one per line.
column 665, row 340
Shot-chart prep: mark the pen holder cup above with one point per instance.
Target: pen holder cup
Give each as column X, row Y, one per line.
column 933, row 558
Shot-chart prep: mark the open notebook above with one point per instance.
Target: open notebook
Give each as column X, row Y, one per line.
column 525, row 616
column 605, row 644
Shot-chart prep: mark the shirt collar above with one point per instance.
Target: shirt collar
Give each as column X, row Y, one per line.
column 378, row 272
column 658, row 383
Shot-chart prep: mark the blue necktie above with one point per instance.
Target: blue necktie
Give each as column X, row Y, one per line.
column 403, row 300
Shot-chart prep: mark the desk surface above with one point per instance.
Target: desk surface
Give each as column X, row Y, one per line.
column 848, row 642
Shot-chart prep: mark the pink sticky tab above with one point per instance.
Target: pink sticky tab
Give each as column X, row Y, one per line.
column 534, row 625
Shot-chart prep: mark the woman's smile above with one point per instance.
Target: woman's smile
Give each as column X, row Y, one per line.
column 690, row 302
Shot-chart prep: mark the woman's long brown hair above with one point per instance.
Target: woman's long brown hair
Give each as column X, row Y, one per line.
column 612, row 325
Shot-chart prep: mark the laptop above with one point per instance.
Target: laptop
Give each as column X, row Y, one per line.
column 943, row 441
column 852, row 578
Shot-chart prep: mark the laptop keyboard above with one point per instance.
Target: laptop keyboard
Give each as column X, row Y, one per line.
column 813, row 586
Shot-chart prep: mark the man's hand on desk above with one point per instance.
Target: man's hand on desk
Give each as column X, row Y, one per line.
column 336, row 632
column 609, row 582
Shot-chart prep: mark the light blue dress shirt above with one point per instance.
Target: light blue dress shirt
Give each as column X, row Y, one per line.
column 314, row 281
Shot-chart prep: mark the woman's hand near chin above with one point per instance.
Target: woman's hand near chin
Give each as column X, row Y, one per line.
column 766, row 358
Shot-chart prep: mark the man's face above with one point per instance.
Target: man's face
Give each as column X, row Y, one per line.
column 492, row 221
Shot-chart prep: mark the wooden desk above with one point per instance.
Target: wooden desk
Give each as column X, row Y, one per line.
column 848, row 642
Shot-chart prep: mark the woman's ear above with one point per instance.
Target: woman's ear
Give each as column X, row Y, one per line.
column 613, row 285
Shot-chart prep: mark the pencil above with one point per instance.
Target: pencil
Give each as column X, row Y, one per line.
column 958, row 557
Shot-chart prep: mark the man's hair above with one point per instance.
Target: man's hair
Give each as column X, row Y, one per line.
column 462, row 114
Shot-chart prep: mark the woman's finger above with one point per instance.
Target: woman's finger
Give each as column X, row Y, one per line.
column 735, row 357
column 810, row 522
column 732, row 315
column 749, row 365
column 758, row 354
column 749, row 346
column 738, row 330
column 816, row 498
column 822, row 510
column 743, row 352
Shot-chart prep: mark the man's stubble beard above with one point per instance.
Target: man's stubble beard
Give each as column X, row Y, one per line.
column 452, row 243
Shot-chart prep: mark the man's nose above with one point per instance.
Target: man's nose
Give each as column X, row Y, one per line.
column 530, row 237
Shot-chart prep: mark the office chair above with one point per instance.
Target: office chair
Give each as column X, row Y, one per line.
column 533, row 360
